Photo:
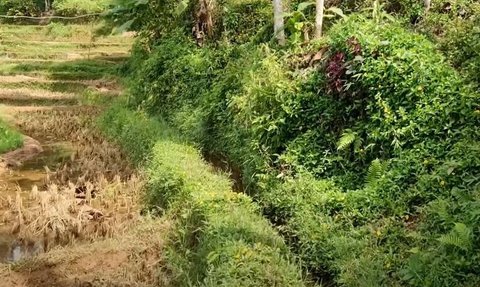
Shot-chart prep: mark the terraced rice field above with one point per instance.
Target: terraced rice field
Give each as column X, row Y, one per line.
column 69, row 212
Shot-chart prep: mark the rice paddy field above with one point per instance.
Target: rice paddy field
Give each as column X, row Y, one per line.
column 69, row 199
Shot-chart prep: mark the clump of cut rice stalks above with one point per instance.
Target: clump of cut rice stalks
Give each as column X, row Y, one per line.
column 61, row 215
column 93, row 155
column 93, row 194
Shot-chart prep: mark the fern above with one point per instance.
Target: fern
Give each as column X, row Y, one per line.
column 357, row 144
column 460, row 237
column 346, row 140
column 375, row 172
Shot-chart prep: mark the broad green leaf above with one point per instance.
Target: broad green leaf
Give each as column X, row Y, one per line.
column 304, row 5
column 337, row 11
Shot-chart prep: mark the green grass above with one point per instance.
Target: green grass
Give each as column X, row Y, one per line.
column 61, row 87
column 9, row 138
column 39, row 51
column 59, row 41
column 68, row 70
column 58, row 32
column 220, row 237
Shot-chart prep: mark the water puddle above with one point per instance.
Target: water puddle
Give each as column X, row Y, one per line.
column 19, row 182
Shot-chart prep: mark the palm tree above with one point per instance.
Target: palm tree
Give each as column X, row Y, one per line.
column 48, row 4
column 278, row 26
column 319, row 18
column 427, row 5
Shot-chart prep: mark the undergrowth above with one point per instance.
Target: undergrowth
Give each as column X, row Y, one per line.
column 219, row 239
column 360, row 148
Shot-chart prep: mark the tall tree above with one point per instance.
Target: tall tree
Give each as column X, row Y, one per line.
column 427, row 5
column 278, row 26
column 319, row 18
column 48, row 5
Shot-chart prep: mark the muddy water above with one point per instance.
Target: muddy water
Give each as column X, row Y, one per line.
column 19, row 182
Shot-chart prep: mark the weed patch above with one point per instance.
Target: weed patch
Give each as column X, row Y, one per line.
column 9, row 138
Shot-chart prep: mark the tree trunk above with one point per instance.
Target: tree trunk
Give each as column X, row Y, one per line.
column 427, row 5
column 278, row 22
column 319, row 19
column 47, row 5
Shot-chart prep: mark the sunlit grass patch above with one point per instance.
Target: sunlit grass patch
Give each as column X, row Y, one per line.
column 9, row 138
column 58, row 32
column 68, row 70
column 53, row 86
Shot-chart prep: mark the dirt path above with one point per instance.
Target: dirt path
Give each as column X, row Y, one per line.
column 69, row 199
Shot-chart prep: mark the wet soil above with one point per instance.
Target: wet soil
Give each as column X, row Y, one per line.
column 24, row 169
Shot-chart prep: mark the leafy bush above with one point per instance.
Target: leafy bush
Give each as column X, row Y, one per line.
column 21, row 7
column 76, row 7
column 457, row 31
column 395, row 98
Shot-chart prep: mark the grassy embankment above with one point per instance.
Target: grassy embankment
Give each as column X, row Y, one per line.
column 219, row 237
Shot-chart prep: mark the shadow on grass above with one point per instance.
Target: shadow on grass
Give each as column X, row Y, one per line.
column 60, row 87
column 38, row 102
column 84, row 69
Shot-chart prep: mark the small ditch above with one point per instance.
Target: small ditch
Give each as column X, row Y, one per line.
column 221, row 164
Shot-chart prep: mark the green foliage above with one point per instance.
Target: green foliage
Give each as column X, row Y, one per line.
column 375, row 171
column 35, row 8
column 135, row 131
column 347, row 139
column 9, row 138
column 73, row 70
column 457, row 32
column 21, row 7
column 75, row 7
column 231, row 233
column 244, row 20
column 126, row 14
column 219, row 239
column 79, row 7
column 299, row 23
column 364, row 154
column 460, row 237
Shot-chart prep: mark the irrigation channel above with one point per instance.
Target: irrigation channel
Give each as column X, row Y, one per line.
column 69, row 199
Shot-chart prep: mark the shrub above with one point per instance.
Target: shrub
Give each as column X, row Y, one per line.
column 398, row 96
column 21, row 7
column 458, row 34
column 76, row 7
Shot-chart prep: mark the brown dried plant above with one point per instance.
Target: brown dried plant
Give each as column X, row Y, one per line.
column 94, row 193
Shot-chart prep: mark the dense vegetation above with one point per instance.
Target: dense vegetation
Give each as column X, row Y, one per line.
column 361, row 148
column 220, row 239
column 59, row 7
